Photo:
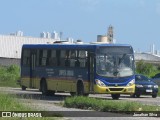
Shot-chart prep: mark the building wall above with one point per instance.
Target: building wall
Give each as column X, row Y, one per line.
column 9, row 61
column 150, row 58
column 10, row 46
column 102, row 38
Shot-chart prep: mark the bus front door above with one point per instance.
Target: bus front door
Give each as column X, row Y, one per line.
column 91, row 72
column 32, row 70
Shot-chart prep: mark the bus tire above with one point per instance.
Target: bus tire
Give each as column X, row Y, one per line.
column 43, row 88
column 40, row 90
column 23, row 87
column 154, row 95
column 80, row 88
column 115, row 96
column 50, row 92
column 132, row 95
column 72, row 93
column 86, row 94
column 138, row 95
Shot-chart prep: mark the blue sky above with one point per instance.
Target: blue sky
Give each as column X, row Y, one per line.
column 135, row 22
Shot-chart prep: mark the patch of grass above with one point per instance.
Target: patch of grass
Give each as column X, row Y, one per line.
column 158, row 90
column 10, row 103
column 9, row 76
column 106, row 105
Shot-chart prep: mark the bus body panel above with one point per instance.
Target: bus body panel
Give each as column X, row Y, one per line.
column 115, row 90
column 65, row 78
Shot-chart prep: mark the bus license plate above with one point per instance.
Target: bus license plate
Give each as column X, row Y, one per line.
column 148, row 90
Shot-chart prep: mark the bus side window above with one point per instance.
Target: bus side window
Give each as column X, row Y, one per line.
column 37, row 56
column 77, row 63
column 42, row 57
column 26, row 57
column 82, row 57
column 67, row 59
column 63, row 57
column 52, row 59
column 58, row 53
column 72, row 59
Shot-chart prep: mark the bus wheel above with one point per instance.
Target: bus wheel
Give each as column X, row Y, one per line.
column 23, row 87
column 138, row 95
column 80, row 89
column 132, row 95
column 115, row 96
column 51, row 92
column 72, row 93
column 40, row 90
column 154, row 95
column 44, row 88
column 86, row 94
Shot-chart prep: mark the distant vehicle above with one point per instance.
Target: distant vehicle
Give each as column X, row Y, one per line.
column 145, row 86
column 80, row 69
column 157, row 75
column 156, row 79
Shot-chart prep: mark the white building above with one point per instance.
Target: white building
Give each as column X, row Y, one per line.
column 10, row 46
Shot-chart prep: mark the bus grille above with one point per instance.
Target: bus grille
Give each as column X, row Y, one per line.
column 115, row 89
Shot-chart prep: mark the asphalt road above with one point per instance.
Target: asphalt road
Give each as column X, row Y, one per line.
column 35, row 94
column 36, row 100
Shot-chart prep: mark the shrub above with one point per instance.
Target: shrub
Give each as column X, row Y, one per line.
column 9, row 75
column 147, row 69
column 106, row 105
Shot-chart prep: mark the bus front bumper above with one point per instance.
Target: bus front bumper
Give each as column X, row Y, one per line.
column 114, row 89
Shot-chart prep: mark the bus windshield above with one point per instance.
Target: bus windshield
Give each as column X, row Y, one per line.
column 115, row 62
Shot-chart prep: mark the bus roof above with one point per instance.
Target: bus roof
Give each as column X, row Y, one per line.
column 71, row 46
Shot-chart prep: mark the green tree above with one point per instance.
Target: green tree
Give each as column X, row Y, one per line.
column 147, row 69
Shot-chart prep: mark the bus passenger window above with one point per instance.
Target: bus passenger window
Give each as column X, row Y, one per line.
column 58, row 57
column 67, row 59
column 42, row 57
column 26, row 57
column 82, row 62
column 63, row 57
column 52, row 59
column 77, row 63
column 48, row 57
column 82, row 58
column 72, row 58
column 40, row 54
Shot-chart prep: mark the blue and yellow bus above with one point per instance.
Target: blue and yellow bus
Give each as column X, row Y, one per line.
column 80, row 69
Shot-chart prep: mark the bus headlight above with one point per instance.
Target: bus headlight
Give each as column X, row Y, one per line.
column 131, row 82
column 100, row 83
column 155, row 86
